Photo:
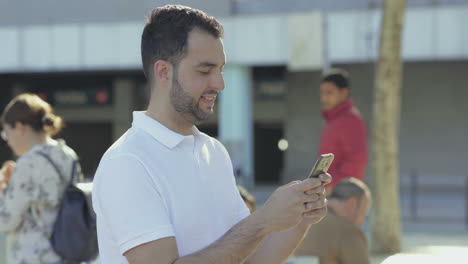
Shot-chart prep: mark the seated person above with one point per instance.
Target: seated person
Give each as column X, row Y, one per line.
column 338, row 239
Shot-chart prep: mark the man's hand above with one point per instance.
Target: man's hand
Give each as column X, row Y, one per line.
column 317, row 209
column 287, row 205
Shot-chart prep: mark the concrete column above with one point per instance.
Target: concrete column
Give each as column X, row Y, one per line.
column 124, row 102
column 236, row 121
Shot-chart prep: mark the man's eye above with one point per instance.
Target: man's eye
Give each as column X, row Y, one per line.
column 204, row 72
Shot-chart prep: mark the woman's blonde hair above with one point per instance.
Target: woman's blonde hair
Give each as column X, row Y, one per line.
column 30, row 109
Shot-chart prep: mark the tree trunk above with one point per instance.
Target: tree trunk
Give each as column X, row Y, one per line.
column 386, row 225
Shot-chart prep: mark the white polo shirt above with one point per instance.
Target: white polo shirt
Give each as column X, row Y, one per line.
column 154, row 183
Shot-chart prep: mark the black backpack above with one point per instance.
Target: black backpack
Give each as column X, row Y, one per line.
column 74, row 235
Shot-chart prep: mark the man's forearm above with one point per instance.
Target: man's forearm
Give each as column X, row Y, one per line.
column 278, row 246
column 234, row 247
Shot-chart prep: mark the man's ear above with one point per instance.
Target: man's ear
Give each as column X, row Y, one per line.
column 162, row 72
column 345, row 92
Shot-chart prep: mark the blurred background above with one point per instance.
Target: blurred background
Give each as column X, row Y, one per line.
column 83, row 57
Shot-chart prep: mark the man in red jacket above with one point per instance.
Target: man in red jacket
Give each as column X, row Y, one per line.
column 344, row 133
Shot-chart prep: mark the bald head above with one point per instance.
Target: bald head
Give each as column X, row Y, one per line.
column 350, row 188
column 351, row 199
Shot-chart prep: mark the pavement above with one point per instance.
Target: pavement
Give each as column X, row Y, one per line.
column 431, row 246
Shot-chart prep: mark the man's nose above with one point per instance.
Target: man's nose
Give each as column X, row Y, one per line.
column 218, row 82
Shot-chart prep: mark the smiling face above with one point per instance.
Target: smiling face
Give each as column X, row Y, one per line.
column 198, row 77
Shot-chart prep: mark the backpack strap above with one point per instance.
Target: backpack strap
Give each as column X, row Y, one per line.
column 73, row 171
column 53, row 165
column 62, row 179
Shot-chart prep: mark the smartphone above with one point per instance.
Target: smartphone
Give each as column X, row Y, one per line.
column 321, row 165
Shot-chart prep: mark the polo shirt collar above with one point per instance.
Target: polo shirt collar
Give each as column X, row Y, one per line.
column 158, row 131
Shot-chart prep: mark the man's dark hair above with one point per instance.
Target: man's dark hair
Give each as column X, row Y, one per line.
column 166, row 31
column 350, row 188
column 339, row 77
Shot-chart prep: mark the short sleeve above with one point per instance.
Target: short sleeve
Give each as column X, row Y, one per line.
column 127, row 201
column 241, row 209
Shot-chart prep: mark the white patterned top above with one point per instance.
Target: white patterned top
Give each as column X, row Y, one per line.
column 30, row 203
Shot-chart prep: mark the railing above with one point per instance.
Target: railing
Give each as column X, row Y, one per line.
column 434, row 198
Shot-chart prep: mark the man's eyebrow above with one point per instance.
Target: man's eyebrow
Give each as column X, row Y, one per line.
column 206, row 64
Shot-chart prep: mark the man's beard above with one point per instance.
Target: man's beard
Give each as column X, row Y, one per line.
column 186, row 105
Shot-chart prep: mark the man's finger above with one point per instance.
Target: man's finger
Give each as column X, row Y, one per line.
column 309, row 184
column 325, row 178
column 310, row 198
column 316, row 205
column 317, row 190
column 316, row 213
column 291, row 183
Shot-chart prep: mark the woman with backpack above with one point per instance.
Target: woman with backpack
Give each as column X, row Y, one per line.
column 31, row 189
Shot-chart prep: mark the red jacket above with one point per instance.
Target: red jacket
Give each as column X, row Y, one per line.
column 345, row 136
